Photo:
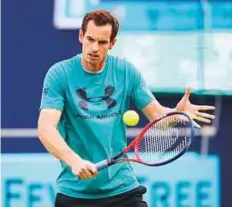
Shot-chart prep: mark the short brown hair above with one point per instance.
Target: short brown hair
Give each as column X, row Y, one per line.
column 100, row 18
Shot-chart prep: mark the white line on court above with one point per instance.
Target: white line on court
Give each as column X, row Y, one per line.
column 32, row 132
column 130, row 132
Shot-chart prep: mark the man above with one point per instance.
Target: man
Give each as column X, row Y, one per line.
column 80, row 120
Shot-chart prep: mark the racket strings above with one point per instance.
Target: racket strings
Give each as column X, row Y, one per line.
column 165, row 139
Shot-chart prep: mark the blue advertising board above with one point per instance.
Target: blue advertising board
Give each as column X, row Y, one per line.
column 158, row 15
column 189, row 40
column 28, row 180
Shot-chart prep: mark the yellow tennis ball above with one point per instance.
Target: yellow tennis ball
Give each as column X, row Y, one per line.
column 131, row 118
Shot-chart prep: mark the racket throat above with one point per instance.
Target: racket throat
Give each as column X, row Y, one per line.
column 111, row 162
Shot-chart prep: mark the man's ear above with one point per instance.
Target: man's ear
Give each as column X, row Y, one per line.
column 81, row 36
column 112, row 43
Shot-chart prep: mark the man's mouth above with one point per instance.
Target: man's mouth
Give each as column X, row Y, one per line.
column 93, row 55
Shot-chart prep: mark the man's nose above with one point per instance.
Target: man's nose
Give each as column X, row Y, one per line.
column 95, row 47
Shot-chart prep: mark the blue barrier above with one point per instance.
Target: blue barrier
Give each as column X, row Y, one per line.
column 28, row 180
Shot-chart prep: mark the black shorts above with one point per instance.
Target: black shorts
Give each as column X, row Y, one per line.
column 132, row 198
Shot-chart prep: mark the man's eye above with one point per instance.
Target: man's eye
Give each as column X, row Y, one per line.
column 103, row 42
column 90, row 39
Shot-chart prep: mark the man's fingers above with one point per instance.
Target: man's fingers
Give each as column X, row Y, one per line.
column 92, row 168
column 208, row 121
column 205, row 107
column 82, row 175
column 84, row 170
column 94, row 172
column 205, row 115
column 196, row 125
column 184, row 101
column 187, row 94
column 85, row 174
column 89, row 171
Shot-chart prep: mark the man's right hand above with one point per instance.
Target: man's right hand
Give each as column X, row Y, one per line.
column 84, row 169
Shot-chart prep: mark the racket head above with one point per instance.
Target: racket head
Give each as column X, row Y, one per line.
column 164, row 139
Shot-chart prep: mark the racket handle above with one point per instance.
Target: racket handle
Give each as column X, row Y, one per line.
column 102, row 164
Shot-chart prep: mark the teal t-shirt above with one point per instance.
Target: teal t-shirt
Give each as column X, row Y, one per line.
column 92, row 106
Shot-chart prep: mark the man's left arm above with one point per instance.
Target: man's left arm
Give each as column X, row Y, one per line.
column 195, row 112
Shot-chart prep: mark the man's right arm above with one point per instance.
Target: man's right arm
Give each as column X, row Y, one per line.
column 55, row 144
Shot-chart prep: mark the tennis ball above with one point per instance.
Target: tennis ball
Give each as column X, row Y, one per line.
column 131, row 118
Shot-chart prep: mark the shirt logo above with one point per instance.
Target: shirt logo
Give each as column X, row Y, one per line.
column 110, row 102
column 45, row 91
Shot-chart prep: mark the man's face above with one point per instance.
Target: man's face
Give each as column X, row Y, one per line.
column 96, row 43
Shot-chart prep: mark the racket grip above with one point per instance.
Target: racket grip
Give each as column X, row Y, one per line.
column 102, row 164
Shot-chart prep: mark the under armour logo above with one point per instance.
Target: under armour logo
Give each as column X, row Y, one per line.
column 83, row 104
column 45, row 91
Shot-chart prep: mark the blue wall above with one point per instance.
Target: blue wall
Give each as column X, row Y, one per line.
column 31, row 44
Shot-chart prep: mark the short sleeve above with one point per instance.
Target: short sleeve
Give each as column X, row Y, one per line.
column 141, row 94
column 54, row 88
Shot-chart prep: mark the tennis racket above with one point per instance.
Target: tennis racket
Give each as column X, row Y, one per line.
column 160, row 142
